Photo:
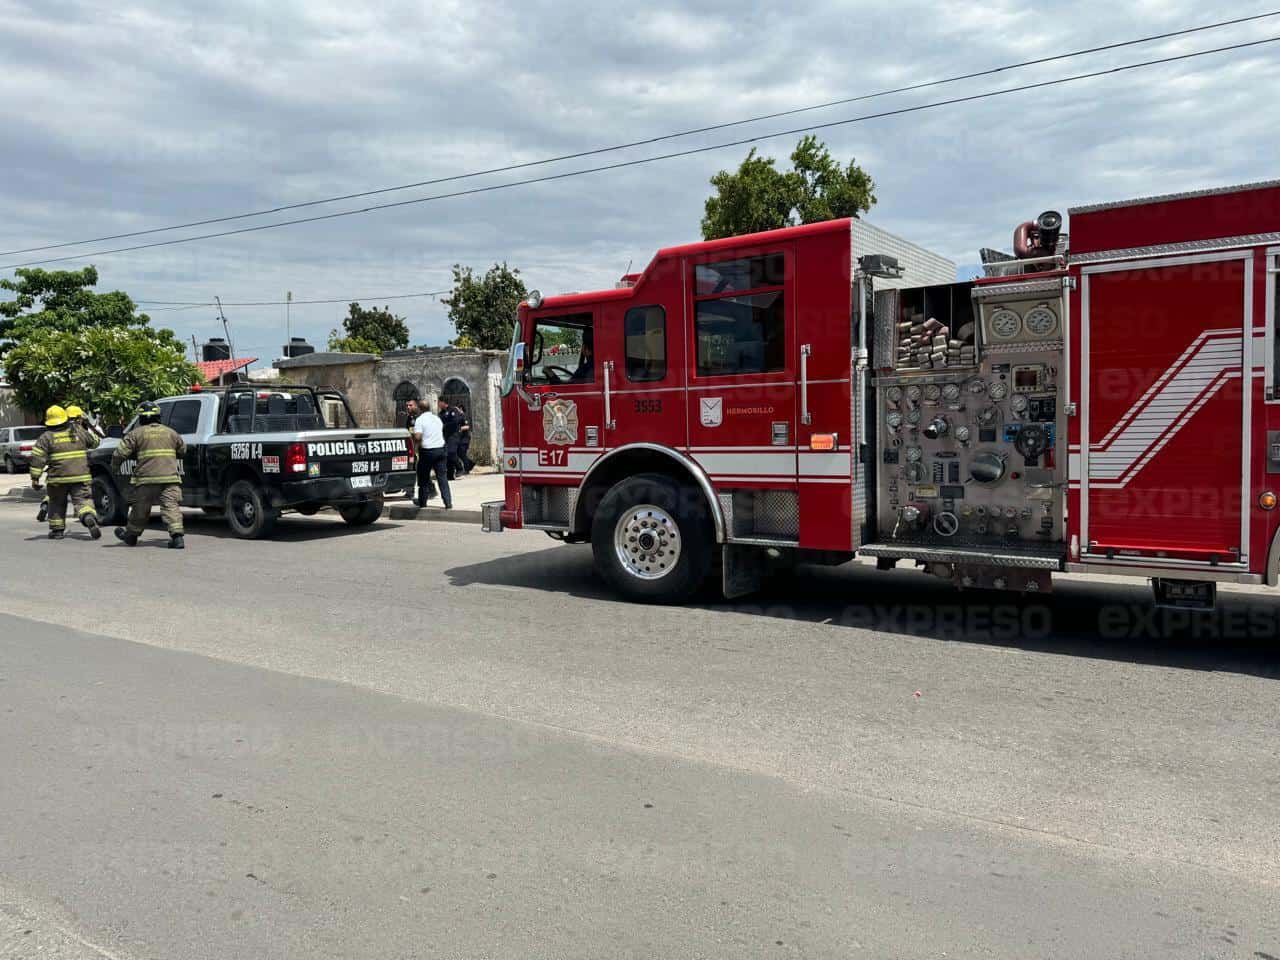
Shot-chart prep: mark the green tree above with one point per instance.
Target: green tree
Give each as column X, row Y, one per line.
column 370, row 330
column 61, row 300
column 105, row 369
column 482, row 309
column 758, row 196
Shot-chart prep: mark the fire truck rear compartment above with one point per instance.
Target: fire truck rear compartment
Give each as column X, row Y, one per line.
column 966, row 430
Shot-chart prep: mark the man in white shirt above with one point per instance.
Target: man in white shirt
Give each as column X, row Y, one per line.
column 428, row 433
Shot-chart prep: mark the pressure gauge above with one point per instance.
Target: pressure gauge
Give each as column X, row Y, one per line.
column 1040, row 321
column 999, row 390
column 914, row 454
column 1004, row 323
column 913, row 393
column 913, row 416
column 951, row 392
column 987, row 416
column 932, row 393
column 1019, row 404
column 962, row 433
column 893, row 394
column 915, row 472
column 977, row 387
column 893, row 421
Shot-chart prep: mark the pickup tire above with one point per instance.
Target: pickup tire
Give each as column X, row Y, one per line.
column 107, row 502
column 249, row 514
column 362, row 514
column 652, row 539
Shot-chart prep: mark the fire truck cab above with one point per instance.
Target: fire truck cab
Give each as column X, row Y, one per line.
column 1105, row 400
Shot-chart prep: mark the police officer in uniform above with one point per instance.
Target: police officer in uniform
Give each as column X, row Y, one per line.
column 156, row 450
column 63, row 451
column 451, row 418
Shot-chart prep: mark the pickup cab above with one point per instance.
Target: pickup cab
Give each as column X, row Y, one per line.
column 255, row 452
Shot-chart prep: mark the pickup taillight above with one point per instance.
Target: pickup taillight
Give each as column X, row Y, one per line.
column 408, row 443
column 295, row 458
column 26, row 447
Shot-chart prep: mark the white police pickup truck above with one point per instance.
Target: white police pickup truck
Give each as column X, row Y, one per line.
column 254, row 452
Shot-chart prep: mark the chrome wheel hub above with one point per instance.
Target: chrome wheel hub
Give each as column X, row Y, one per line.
column 647, row 541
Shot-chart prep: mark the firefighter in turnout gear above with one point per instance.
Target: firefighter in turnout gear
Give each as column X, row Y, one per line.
column 63, row 451
column 77, row 420
column 156, row 451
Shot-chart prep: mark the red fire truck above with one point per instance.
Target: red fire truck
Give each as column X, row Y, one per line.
column 1105, row 401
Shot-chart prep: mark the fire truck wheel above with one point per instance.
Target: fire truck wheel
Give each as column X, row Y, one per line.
column 651, row 538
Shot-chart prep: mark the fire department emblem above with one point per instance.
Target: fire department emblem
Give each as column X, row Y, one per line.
column 362, row 448
column 560, row 422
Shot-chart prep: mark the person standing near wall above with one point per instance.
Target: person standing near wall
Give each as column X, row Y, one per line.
column 464, row 442
column 426, row 489
column 428, row 432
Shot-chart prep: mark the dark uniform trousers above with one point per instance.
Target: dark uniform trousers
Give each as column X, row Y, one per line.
column 147, row 495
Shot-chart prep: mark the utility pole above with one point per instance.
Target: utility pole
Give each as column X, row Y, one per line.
column 226, row 327
column 288, row 327
column 195, row 351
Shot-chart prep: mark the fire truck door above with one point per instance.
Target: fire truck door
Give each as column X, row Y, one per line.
column 1165, row 423
column 744, row 363
column 562, row 423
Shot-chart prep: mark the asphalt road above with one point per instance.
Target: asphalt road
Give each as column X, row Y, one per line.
column 420, row 741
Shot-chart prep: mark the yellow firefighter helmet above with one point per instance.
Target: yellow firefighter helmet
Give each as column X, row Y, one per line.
column 55, row 416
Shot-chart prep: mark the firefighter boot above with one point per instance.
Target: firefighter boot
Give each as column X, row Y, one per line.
column 177, row 542
column 130, row 539
column 95, row 531
column 57, row 534
column 43, row 515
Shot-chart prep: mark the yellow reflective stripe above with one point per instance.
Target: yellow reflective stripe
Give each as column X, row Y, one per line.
column 147, row 454
column 67, row 455
column 151, row 481
column 84, row 510
column 63, row 481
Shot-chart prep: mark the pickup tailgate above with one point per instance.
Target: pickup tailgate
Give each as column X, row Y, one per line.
column 366, row 458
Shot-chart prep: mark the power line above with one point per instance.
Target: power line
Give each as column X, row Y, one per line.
column 192, row 304
column 649, row 141
column 549, row 178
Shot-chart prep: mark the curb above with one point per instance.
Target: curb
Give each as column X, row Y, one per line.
column 25, row 494
column 405, row 511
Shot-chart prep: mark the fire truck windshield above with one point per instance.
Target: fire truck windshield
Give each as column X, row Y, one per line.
column 515, row 355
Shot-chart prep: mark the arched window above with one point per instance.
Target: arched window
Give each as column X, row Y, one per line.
column 457, row 393
column 405, row 392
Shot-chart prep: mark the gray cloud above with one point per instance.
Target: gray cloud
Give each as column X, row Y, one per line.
column 153, row 113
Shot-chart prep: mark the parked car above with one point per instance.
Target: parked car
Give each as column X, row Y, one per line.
column 15, row 447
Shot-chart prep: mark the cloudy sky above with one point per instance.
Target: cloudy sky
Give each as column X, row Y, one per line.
column 126, row 116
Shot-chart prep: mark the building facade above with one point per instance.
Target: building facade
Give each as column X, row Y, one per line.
column 377, row 388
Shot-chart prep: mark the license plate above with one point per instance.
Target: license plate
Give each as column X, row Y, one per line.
column 361, row 483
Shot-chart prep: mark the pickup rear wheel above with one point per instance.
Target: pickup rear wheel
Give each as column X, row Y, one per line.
column 362, row 514
column 107, row 502
column 652, row 539
column 249, row 513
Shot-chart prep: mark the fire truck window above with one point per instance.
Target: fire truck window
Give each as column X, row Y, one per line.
column 562, row 350
column 736, row 276
column 738, row 335
column 645, row 329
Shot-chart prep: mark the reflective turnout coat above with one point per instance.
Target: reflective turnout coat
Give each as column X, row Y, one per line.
column 157, row 450
column 64, row 452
